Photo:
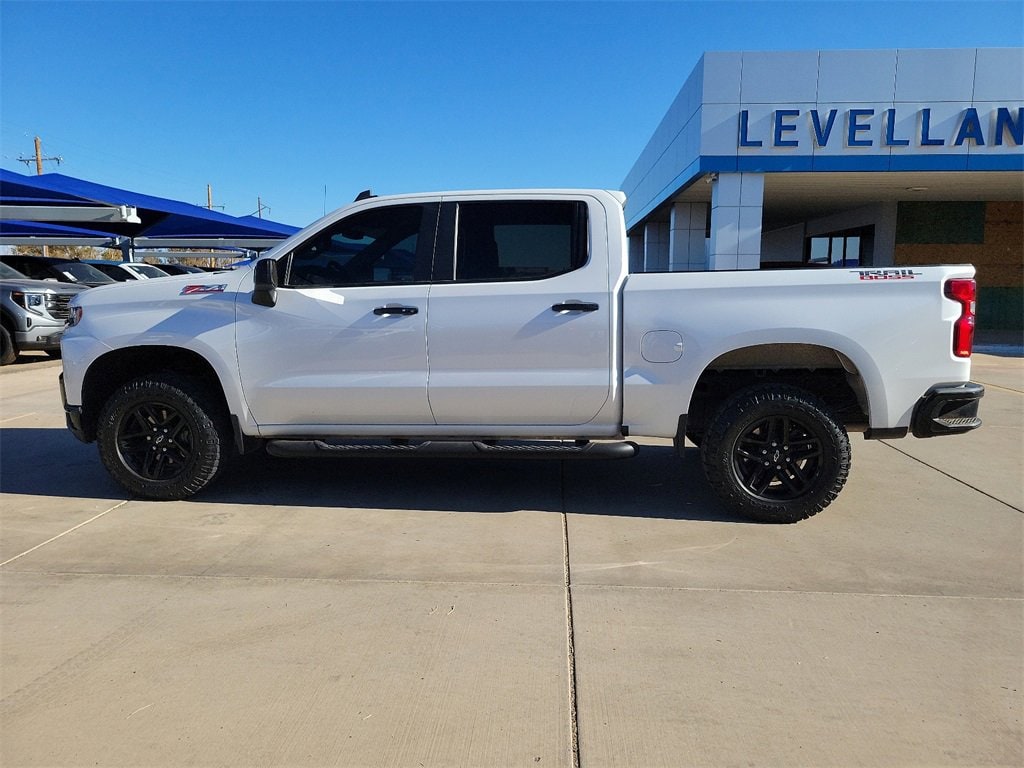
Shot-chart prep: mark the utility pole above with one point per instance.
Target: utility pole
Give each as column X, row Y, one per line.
column 39, row 169
column 209, row 199
column 38, row 159
column 260, row 207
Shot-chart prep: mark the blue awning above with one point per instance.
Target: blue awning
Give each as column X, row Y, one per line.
column 161, row 221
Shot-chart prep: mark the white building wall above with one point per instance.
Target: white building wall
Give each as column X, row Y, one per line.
column 737, row 201
column 687, row 241
column 811, row 111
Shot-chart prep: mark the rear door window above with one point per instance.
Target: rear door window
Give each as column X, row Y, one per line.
column 519, row 240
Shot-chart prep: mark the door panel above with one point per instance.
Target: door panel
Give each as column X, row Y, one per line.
column 346, row 342
column 499, row 353
column 322, row 356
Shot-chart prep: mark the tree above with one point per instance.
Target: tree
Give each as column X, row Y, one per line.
column 69, row 251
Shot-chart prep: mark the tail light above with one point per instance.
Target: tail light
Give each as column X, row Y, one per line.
column 965, row 292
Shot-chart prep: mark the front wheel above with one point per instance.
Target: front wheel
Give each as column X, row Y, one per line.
column 163, row 436
column 776, row 454
column 8, row 352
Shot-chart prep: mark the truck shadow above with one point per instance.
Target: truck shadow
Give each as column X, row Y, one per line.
column 655, row 484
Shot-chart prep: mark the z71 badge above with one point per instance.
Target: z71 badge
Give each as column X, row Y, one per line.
column 886, row 274
column 188, row 290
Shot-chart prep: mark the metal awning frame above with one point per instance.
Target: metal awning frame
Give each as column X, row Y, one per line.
column 95, row 242
column 249, row 244
column 118, row 214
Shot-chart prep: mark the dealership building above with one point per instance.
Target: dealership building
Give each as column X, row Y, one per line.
column 876, row 159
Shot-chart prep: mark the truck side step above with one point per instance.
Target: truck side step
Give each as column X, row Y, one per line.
column 452, row 449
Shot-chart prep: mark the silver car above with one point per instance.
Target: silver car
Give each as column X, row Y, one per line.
column 32, row 313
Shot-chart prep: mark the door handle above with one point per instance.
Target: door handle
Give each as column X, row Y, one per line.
column 395, row 309
column 575, row 306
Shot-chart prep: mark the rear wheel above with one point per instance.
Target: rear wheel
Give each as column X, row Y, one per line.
column 163, row 436
column 776, row 454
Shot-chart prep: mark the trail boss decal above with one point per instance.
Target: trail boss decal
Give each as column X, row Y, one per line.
column 886, row 274
column 189, row 290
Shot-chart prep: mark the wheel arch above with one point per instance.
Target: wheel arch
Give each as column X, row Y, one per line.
column 8, row 320
column 114, row 369
column 824, row 371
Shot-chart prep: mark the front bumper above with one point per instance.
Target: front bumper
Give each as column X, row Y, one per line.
column 40, row 337
column 947, row 409
column 72, row 414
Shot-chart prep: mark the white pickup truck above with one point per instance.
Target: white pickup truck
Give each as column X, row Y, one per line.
column 506, row 323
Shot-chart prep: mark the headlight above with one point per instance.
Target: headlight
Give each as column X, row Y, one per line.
column 33, row 302
column 74, row 316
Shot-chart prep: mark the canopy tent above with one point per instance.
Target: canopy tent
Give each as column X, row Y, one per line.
column 147, row 221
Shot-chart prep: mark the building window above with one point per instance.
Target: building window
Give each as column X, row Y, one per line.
column 850, row 248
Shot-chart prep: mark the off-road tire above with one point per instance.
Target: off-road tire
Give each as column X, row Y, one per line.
column 775, row 454
column 8, row 352
column 163, row 436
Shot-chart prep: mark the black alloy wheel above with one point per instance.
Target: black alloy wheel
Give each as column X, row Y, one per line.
column 777, row 459
column 164, row 436
column 776, row 454
column 155, row 441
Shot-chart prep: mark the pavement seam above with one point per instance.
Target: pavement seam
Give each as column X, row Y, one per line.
column 804, row 592
column 517, row 584
column 570, row 642
column 1000, row 386
column 65, row 533
column 570, row 631
column 952, row 477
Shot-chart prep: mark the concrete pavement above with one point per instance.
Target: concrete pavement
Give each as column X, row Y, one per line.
column 444, row 613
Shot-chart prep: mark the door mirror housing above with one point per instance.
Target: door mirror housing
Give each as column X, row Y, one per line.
column 264, row 291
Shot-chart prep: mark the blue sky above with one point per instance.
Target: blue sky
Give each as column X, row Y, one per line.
column 279, row 100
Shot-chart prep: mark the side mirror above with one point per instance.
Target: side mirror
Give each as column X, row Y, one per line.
column 264, row 291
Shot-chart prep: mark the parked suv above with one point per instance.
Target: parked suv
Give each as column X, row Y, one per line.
column 123, row 271
column 32, row 313
column 51, row 268
column 178, row 269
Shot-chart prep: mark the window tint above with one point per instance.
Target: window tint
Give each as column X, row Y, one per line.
column 520, row 241
column 376, row 246
column 29, row 268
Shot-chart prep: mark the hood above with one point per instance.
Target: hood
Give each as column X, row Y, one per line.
column 171, row 288
column 41, row 286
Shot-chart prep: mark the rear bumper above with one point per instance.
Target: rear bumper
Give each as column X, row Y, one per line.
column 947, row 409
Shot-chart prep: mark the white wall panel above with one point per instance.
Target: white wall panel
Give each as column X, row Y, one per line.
column 852, row 76
column 935, row 75
column 779, row 77
column 999, row 74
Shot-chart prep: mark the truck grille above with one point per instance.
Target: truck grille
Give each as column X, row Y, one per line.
column 57, row 305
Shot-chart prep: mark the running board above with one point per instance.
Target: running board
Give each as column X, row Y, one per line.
column 451, row 449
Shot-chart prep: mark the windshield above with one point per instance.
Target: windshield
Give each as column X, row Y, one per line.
column 148, row 270
column 10, row 273
column 77, row 272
